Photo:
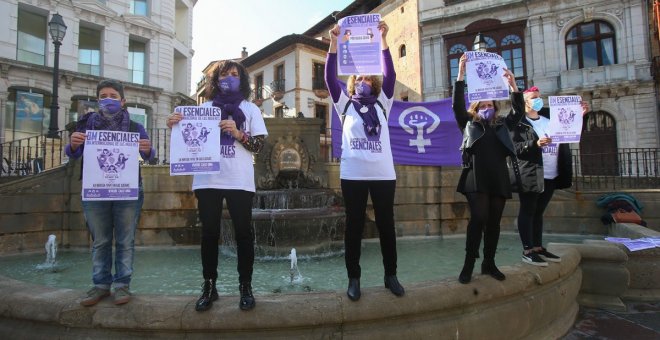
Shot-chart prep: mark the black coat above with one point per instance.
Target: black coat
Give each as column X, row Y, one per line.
column 471, row 178
column 530, row 158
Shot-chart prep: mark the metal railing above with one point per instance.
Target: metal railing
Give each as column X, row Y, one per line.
column 32, row 155
column 627, row 168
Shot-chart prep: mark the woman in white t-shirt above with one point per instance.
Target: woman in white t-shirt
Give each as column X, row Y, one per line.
column 367, row 167
column 243, row 133
column 544, row 166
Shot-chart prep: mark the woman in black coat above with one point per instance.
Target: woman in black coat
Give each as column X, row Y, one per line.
column 485, row 179
column 544, row 166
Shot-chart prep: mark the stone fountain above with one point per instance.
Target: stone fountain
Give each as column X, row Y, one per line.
column 292, row 207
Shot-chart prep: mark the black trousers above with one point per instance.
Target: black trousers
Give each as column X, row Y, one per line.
column 530, row 215
column 485, row 215
column 239, row 204
column 355, row 194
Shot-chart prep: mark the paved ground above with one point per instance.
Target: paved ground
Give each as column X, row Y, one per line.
column 640, row 321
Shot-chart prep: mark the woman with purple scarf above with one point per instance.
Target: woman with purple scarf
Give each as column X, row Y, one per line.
column 107, row 218
column 367, row 167
column 242, row 135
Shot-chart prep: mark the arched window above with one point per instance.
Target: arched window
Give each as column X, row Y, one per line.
column 490, row 42
column 402, row 51
column 589, row 45
column 512, row 52
column 598, row 144
column 455, row 53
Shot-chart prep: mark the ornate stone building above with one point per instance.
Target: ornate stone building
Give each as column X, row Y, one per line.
column 145, row 44
column 598, row 49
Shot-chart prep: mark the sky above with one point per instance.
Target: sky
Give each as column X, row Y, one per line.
column 221, row 28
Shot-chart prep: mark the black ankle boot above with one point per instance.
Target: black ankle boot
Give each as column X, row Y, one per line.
column 353, row 291
column 247, row 299
column 488, row 267
column 393, row 284
column 209, row 294
column 466, row 274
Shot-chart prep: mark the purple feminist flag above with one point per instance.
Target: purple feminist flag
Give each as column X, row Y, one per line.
column 420, row 134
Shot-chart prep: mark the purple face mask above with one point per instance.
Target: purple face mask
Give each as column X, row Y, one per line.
column 486, row 114
column 109, row 106
column 362, row 89
column 229, row 84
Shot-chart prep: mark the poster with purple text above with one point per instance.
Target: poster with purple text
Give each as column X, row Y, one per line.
column 358, row 45
column 195, row 141
column 484, row 73
column 110, row 166
column 565, row 119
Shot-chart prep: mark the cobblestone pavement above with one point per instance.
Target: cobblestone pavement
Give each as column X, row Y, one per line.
column 640, row 321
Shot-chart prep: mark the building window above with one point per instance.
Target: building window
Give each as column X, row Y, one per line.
column 137, row 53
column 278, row 83
column 80, row 105
column 139, row 7
column 30, row 112
column 402, row 51
column 589, row 45
column 598, row 145
column 507, row 40
column 318, row 76
column 89, row 51
column 31, row 44
column 279, row 111
column 455, row 53
column 511, row 51
column 259, row 86
column 321, row 112
column 402, row 9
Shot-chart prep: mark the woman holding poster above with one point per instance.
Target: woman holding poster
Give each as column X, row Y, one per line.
column 485, row 179
column 367, row 167
column 243, row 133
column 544, row 167
column 106, row 218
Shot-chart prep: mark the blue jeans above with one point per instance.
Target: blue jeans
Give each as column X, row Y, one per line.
column 105, row 218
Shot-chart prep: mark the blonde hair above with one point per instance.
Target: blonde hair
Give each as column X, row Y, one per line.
column 474, row 107
column 376, row 85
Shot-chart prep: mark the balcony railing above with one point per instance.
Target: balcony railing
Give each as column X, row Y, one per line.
column 277, row 85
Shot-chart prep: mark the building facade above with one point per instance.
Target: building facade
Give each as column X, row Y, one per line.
column 145, row 44
column 598, row 49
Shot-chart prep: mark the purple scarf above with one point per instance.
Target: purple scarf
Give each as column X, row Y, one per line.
column 119, row 121
column 370, row 118
column 228, row 104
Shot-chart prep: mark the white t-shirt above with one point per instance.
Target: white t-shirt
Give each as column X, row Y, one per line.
column 236, row 165
column 365, row 157
column 550, row 152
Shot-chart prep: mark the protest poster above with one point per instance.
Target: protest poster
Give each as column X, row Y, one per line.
column 358, row 45
column 484, row 73
column 195, row 141
column 111, row 166
column 565, row 119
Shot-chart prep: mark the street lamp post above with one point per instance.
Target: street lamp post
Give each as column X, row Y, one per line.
column 479, row 43
column 57, row 30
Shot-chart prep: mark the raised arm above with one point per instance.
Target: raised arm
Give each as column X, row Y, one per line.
column 458, row 101
column 389, row 75
column 331, row 80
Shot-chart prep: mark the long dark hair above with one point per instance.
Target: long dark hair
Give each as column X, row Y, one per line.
column 212, row 89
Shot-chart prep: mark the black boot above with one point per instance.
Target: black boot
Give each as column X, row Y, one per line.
column 488, row 267
column 247, row 299
column 209, row 294
column 353, row 291
column 393, row 284
column 466, row 274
